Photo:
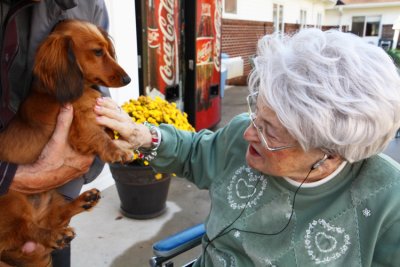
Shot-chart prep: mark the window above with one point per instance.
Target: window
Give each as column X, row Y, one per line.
column 357, row 26
column 280, row 18
column 366, row 25
column 372, row 26
column 303, row 19
column 277, row 17
column 319, row 20
column 230, row 6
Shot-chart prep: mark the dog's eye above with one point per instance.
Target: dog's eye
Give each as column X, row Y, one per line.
column 98, row 52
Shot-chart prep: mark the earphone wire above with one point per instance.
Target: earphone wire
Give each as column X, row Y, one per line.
column 222, row 232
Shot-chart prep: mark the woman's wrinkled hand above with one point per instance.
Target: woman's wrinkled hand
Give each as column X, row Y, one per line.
column 133, row 135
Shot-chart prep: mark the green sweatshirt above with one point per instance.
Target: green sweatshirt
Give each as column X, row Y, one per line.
column 352, row 218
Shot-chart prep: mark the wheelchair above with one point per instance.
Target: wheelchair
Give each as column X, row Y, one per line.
column 170, row 247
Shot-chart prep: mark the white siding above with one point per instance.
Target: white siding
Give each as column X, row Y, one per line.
column 261, row 10
column 123, row 32
column 255, row 10
column 388, row 16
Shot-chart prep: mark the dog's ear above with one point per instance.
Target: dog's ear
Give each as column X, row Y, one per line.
column 56, row 71
column 111, row 49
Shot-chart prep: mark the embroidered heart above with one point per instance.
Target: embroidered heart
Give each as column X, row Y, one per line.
column 325, row 243
column 244, row 190
column 241, row 191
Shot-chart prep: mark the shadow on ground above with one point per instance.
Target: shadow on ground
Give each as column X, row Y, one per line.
column 194, row 204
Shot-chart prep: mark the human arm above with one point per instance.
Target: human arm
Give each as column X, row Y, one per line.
column 200, row 157
column 57, row 164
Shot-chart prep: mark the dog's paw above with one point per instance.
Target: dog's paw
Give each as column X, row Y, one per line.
column 127, row 156
column 89, row 199
column 63, row 238
column 117, row 155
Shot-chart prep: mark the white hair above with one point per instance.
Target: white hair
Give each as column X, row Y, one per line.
column 330, row 90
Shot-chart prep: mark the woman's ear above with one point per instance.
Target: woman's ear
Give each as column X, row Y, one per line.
column 331, row 163
column 319, row 162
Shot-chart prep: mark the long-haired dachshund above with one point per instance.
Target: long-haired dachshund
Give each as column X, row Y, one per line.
column 70, row 65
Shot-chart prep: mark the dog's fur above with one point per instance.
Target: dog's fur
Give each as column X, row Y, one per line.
column 70, row 64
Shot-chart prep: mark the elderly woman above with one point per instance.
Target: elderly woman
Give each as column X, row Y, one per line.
column 298, row 181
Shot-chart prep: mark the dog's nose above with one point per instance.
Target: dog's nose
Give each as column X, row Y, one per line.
column 126, row 79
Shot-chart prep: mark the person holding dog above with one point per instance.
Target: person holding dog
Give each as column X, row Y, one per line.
column 299, row 180
column 25, row 23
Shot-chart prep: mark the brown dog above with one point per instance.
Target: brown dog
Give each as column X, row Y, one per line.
column 70, row 64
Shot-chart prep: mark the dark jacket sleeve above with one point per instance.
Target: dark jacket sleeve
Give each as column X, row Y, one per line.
column 7, row 172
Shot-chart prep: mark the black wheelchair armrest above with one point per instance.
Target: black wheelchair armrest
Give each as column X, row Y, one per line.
column 176, row 244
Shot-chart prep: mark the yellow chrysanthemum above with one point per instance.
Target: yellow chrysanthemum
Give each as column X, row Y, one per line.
column 155, row 111
column 158, row 176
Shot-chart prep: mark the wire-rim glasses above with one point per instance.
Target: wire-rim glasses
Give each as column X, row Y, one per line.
column 251, row 104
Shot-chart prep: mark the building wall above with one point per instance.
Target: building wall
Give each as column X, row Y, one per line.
column 261, row 10
column 254, row 10
column 123, row 32
column 368, row 1
column 292, row 11
column 241, row 31
column 239, row 38
column 388, row 16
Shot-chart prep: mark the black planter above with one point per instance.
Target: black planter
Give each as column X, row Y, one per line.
column 141, row 195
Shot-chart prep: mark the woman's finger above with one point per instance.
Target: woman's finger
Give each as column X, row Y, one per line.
column 122, row 126
column 115, row 113
column 109, row 105
column 106, row 102
column 124, row 144
column 110, row 122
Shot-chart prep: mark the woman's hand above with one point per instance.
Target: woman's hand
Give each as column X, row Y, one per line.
column 57, row 164
column 132, row 135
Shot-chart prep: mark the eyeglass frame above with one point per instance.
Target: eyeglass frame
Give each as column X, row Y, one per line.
column 253, row 116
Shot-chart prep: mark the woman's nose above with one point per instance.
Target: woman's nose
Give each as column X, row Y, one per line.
column 250, row 134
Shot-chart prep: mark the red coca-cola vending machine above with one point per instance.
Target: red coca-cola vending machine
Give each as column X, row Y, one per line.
column 179, row 52
column 202, row 31
column 159, row 48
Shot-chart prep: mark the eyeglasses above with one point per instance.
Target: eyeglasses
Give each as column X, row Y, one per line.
column 252, row 106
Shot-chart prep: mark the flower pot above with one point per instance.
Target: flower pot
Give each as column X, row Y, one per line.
column 141, row 195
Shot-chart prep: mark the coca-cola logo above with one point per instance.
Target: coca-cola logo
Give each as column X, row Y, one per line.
column 167, row 27
column 217, row 28
column 205, row 51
